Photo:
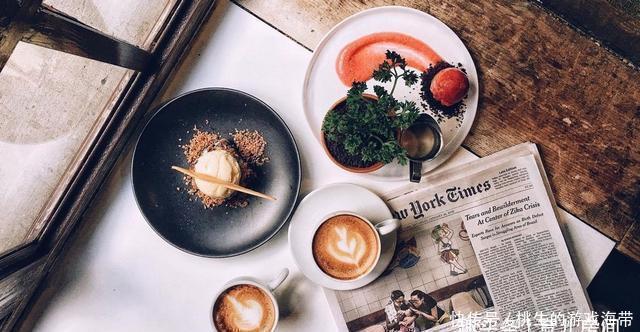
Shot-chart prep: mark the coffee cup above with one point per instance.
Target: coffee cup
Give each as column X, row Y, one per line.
column 247, row 304
column 347, row 247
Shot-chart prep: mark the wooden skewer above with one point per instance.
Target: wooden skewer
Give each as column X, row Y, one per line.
column 223, row 183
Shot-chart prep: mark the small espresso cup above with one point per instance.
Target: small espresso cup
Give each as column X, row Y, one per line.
column 267, row 289
column 378, row 230
column 423, row 142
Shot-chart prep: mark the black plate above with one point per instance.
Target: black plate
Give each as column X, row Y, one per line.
column 219, row 231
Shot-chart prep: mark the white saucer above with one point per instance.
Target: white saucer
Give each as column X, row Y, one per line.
column 320, row 203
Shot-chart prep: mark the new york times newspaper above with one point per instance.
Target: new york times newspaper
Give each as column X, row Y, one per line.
column 478, row 238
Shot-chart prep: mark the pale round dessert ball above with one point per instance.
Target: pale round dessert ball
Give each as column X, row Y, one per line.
column 222, row 165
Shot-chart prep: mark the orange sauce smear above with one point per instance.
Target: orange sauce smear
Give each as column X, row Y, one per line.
column 358, row 59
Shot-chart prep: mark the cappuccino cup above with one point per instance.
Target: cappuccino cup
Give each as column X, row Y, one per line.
column 247, row 304
column 347, row 246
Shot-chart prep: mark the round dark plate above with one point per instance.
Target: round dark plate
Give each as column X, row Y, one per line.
column 219, row 231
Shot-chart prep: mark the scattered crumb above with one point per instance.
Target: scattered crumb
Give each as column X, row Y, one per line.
column 251, row 146
column 201, row 141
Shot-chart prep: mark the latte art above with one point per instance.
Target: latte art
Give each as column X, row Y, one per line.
column 247, row 316
column 345, row 247
column 244, row 308
column 348, row 248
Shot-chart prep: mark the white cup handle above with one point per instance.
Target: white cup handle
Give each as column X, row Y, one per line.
column 277, row 281
column 387, row 226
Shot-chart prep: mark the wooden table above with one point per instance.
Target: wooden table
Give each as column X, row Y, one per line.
column 541, row 81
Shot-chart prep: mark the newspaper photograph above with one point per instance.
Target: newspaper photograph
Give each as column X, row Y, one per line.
column 481, row 237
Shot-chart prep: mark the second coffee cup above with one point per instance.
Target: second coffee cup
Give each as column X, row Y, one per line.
column 347, row 246
column 247, row 304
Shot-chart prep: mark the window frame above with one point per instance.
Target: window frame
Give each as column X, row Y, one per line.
column 29, row 21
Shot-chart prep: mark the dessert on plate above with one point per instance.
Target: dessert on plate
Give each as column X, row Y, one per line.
column 231, row 160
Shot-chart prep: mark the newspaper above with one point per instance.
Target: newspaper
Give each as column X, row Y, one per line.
column 482, row 237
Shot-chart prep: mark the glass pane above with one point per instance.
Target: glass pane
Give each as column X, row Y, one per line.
column 134, row 21
column 49, row 102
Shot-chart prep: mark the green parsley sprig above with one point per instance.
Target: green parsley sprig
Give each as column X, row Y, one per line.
column 368, row 128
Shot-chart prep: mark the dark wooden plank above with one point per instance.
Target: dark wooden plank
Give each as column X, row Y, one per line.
column 14, row 259
column 630, row 244
column 542, row 81
column 616, row 23
column 8, row 10
column 15, row 287
column 10, row 34
column 171, row 45
column 55, row 30
column 13, row 15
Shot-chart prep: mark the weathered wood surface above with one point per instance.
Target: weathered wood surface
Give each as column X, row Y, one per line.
column 614, row 22
column 542, row 81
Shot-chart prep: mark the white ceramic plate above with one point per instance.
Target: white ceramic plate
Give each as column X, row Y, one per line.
column 322, row 202
column 322, row 87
